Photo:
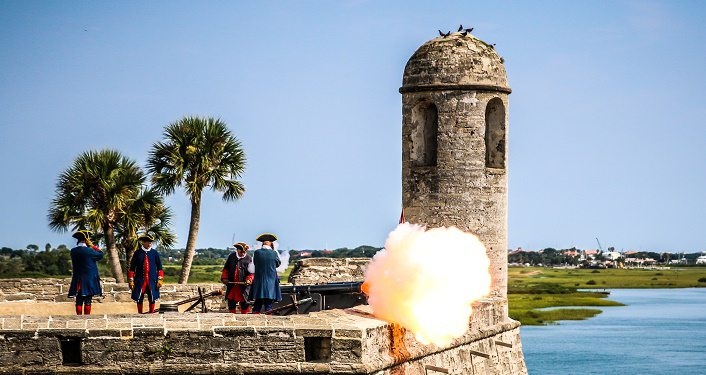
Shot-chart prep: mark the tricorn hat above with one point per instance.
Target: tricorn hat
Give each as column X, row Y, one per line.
column 267, row 237
column 146, row 237
column 241, row 246
column 82, row 234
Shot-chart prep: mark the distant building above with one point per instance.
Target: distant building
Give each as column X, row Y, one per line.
column 701, row 259
column 630, row 252
column 640, row 262
column 589, row 254
column 612, row 255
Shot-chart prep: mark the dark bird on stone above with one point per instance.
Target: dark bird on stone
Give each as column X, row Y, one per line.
column 444, row 35
column 469, row 30
column 460, row 27
column 464, row 33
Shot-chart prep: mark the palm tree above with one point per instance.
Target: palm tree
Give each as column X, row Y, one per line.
column 94, row 193
column 199, row 153
column 145, row 213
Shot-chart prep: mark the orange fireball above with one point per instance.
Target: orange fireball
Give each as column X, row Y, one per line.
column 426, row 281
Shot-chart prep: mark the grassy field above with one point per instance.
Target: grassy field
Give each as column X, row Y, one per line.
column 608, row 278
column 198, row 274
column 531, row 290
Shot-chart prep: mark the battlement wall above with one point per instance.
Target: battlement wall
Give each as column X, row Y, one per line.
column 57, row 289
column 347, row 341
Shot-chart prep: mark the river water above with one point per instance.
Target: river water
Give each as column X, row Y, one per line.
column 660, row 331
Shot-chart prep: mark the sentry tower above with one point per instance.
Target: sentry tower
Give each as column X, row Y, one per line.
column 454, row 142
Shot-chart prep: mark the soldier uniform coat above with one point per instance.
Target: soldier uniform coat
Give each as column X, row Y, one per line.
column 85, row 280
column 266, row 282
column 137, row 271
column 237, row 270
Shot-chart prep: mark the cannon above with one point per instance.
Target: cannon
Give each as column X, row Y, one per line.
column 296, row 299
column 302, row 299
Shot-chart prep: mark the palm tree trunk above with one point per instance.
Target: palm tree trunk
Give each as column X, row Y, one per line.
column 113, row 254
column 129, row 249
column 191, row 241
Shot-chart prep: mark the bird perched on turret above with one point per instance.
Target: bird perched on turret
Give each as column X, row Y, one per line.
column 444, row 35
column 465, row 31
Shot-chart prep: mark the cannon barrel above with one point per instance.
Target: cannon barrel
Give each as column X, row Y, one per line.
column 339, row 295
column 330, row 288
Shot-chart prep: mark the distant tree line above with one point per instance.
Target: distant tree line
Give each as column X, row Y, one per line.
column 213, row 256
column 548, row 257
column 32, row 263
column 553, row 257
column 56, row 262
column 363, row 251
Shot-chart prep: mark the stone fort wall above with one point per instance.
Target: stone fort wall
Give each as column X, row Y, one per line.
column 347, row 341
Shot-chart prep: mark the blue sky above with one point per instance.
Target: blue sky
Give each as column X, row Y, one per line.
column 607, row 137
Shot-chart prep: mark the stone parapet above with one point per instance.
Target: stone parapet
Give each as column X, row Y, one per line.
column 347, row 341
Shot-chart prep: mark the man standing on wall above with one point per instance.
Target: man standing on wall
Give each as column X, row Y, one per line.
column 238, row 275
column 85, row 281
column 145, row 274
column 266, row 288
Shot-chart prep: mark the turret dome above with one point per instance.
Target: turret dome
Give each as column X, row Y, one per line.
column 455, row 60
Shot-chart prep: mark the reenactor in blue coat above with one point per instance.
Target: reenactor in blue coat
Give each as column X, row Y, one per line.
column 145, row 274
column 85, row 281
column 265, row 288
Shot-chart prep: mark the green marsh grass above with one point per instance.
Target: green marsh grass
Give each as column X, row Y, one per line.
column 534, row 288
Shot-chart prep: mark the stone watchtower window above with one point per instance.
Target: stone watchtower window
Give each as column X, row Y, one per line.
column 495, row 134
column 425, row 126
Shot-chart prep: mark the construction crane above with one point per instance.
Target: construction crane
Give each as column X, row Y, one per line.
column 600, row 248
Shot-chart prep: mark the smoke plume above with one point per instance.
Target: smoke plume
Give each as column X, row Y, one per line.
column 426, row 280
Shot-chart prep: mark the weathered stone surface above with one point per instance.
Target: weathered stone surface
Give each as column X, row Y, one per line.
column 359, row 344
column 312, row 331
column 328, row 270
column 455, row 60
column 454, row 149
column 346, row 350
column 20, row 296
column 245, row 332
